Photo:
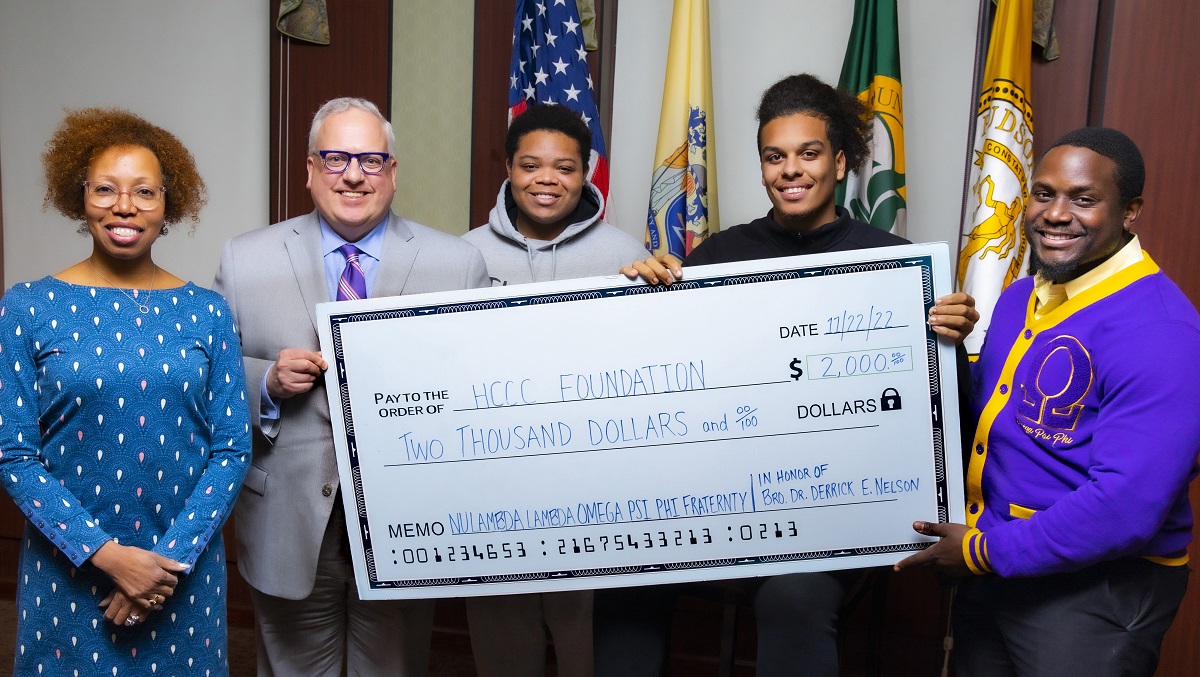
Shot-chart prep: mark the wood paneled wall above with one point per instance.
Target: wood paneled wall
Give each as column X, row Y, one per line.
column 1150, row 93
column 357, row 62
column 1061, row 89
column 493, row 52
column 1135, row 66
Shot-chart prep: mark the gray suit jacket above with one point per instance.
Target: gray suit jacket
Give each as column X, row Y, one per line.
column 273, row 278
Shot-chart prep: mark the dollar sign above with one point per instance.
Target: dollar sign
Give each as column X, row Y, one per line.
column 797, row 372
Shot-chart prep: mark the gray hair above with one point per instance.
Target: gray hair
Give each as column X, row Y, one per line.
column 341, row 105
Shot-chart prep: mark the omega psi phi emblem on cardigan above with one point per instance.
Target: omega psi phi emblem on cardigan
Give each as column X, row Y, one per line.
column 1053, row 389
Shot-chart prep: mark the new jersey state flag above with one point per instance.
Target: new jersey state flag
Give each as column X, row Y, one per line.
column 549, row 65
column 871, row 71
column 683, row 190
column 993, row 250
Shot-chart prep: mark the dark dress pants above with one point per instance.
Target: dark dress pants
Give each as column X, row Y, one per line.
column 1108, row 619
column 796, row 618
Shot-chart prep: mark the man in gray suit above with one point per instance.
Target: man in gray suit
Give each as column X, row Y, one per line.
column 291, row 530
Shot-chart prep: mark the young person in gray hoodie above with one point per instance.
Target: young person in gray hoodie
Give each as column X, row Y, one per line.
column 546, row 225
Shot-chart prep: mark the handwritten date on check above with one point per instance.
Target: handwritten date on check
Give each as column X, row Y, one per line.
column 793, row 414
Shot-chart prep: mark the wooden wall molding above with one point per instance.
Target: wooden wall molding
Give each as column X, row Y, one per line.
column 356, row 62
column 1133, row 66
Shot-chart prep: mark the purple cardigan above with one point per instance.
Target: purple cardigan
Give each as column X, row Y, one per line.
column 1089, row 427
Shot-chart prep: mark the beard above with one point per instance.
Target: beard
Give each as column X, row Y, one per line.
column 1067, row 270
column 1055, row 274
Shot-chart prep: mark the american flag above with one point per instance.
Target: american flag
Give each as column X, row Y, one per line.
column 549, row 65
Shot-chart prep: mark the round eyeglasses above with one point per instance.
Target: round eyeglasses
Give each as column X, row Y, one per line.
column 104, row 195
column 338, row 161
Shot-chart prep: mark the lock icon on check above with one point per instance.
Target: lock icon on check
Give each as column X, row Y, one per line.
column 889, row 400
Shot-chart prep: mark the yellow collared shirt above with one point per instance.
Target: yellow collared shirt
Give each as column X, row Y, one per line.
column 1051, row 296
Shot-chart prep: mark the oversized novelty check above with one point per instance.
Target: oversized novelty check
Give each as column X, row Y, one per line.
column 775, row 416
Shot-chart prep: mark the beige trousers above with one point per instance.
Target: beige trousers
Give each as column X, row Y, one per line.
column 508, row 633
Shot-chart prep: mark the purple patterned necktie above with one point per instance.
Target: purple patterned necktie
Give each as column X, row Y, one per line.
column 352, row 285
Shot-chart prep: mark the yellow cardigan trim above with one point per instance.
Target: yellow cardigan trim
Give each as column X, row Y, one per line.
column 1020, row 511
column 1170, row 561
column 998, row 400
column 972, row 551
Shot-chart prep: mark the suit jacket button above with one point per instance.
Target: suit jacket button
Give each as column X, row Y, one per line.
column 327, row 490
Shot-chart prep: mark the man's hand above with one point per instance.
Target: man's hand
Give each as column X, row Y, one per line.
column 946, row 555
column 954, row 316
column 664, row 269
column 140, row 574
column 294, row 372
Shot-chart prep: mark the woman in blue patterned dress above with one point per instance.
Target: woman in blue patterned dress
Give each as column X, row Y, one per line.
column 124, row 429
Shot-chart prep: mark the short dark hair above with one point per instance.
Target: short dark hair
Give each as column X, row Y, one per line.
column 1114, row 145
column 553, row 118
column 847, row 120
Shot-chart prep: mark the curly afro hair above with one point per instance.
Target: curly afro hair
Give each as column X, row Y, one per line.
column 848, row 121
column 84, row 134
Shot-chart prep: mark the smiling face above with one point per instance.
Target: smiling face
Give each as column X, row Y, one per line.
column 123, row 232
column 547, row 175
column 1075, row 219
column 800, row 171
column 352, row 202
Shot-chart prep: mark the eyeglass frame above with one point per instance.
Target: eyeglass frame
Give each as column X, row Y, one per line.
column 353, row 157
column 161, row 191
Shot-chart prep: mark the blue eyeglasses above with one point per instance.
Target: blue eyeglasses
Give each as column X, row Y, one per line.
column 338, row 161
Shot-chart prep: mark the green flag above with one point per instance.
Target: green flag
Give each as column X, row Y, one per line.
column 871, row 71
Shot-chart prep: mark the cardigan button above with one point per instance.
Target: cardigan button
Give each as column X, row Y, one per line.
column 327, row 490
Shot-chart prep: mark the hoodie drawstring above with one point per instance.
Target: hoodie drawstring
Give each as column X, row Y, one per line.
column 553, row 259
column 529, row 257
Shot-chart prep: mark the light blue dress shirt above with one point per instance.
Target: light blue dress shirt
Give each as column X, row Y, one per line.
column 371, row 246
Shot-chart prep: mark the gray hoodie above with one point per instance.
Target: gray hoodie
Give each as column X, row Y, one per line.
column 587, row 247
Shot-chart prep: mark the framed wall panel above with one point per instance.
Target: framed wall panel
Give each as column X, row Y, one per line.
column 357, row 62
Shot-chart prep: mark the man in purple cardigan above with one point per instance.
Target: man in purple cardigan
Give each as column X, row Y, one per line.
column 1087, row 393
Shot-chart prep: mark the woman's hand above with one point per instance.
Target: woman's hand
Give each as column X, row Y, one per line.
column 139, row 574
column 120, row 609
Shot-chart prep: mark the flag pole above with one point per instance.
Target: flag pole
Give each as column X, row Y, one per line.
column 982, row 38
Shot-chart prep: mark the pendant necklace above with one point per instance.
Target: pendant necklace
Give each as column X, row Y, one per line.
column 142, row 306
